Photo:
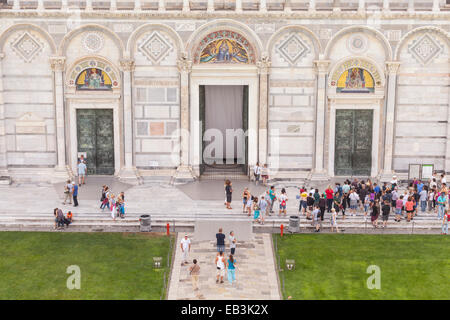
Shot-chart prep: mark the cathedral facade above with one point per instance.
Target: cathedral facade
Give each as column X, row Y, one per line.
column 321, row 88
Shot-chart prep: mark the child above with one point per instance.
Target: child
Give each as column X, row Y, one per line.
column 283, row 199
column 265, row 174
column 249, row 204
column 445, row 222
column 316, row 217
column 333, row 220
column 256, row 210
column 366, row 206
column 409, row 206
column 112, row 205
column 245, row 197
column 398, row 209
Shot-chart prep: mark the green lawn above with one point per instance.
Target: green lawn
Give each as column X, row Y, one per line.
column 333, row 266
column 113, row 265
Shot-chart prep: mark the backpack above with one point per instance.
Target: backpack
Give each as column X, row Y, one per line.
column 283, row 203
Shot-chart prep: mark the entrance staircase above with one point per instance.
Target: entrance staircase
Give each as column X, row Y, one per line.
column 223, row 172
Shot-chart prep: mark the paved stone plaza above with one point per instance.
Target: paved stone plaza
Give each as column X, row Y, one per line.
column 256, row 276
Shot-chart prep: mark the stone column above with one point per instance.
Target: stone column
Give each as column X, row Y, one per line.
column 3, row 153
column 319, row 173
column 58, row 65
column 40, row 5
column 436, row 5
column 184, row 171
column 137, row 5
column 385, row 5
column 287, row 6
column 361, row 5
column 263, row 71
column 16, row 5
column 238, row 6
column 210, row 7
column 88, row 5
column 64, row 4
column 186, row 7
column 392, row 68
column 161, row 6
column 128, row 171
column 113, row 5
column 263, row 5
column 410, row 5
column 312, row 5
column 336, row 5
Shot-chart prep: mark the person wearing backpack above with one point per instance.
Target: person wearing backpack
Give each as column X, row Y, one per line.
column 445, row 222
column 283, row 199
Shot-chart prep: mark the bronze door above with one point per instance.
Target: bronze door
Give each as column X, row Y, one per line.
column 353, row 143
column 96, row 138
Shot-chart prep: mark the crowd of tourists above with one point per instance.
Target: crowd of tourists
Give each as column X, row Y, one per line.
column 116, row 205
column 224, row 265
column 362, row 197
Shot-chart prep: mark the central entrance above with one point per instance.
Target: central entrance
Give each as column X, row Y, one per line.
column 224, row 117
column 353, row 142
column 95, row 139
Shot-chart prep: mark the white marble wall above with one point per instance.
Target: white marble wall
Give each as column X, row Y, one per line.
column 422, row 103
column 28, row 99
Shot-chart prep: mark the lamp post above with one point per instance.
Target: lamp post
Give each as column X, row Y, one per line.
column 290, row 264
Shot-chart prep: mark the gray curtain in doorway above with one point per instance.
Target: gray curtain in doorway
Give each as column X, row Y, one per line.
column 223, row 110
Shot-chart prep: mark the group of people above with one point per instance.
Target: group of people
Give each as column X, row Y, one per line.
column 71, row 193
column 223, row 265
column 116, row 205
column 261, row 172
column 62, row 221
column 352, row 197
column 263, row 205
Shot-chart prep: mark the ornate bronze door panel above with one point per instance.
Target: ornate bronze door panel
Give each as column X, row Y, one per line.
column 353, row 143
column 96, row 138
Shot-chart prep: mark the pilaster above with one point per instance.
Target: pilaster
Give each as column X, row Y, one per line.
column 319, row 173
column 392, row 69
column 263, row 70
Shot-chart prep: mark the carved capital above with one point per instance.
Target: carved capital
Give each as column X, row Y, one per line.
column 184, row 64
column 58, row 63
column 2, row 55
column 263, row 65
column 322, row 66
column 127, row 65
column 392, row 67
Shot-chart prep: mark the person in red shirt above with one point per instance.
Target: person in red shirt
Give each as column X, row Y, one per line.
column 329, row 193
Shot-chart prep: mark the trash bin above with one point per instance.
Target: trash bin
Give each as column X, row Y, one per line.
column 145, row 223
column 294, row 224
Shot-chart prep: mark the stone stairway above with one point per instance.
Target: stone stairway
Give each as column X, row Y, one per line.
column 185, row 221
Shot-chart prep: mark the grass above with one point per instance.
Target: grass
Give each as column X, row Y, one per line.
column 113, row 265
column 332, row 266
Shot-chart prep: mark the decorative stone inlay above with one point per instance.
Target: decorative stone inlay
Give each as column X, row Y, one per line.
column 425, row 49
column 154, row 47
column 357, row 43
column 265, row 28
column 27, row 46
column 92, row 63
column 393, row 35
column 293, row 49
column 93, row 42
column 185, row 26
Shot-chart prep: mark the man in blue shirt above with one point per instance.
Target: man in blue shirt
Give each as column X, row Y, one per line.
column 419, row 186
column 75, row 194
column 376, row 189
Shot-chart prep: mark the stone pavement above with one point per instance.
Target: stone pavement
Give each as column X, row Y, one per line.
column 256, row 276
